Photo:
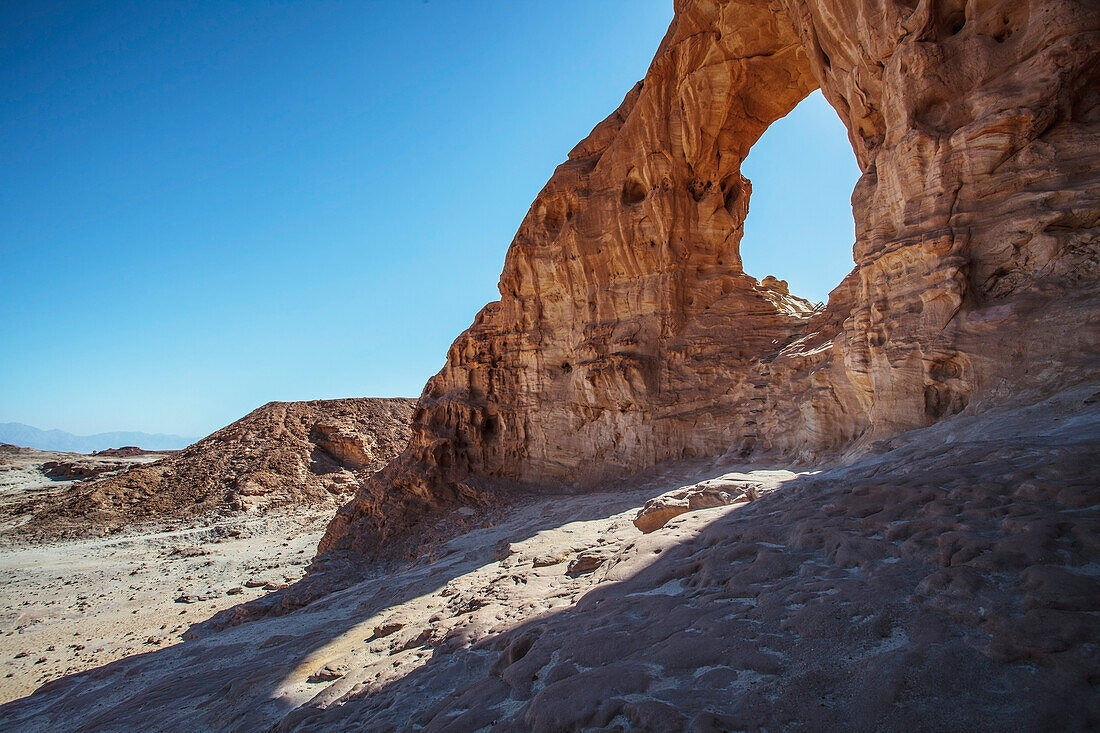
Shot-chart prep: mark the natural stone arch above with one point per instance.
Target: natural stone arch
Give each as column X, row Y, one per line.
column 627, row 333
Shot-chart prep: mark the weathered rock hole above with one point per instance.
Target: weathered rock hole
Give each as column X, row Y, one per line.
column 553, row 214
column 554, row 222
column 698, row 188
column 634, row 190
column 947, row 391
column 734, row 189
column 1005, row 32
column 952, row 18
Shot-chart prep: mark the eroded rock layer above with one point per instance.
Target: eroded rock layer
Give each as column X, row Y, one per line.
column 284, row 454
column 627, row 332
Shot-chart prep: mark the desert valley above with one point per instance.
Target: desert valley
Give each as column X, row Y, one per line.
column 648, row 491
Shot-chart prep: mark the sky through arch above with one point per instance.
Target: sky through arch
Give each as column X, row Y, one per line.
column 800, row 226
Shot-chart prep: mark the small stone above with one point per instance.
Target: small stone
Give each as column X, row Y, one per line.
column 190, row 598
column 503, row 550
column 326, row 674
column 545, row 561
column 585, row 562
column 386, row 629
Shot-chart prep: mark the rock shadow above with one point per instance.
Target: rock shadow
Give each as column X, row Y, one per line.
column 948, row 585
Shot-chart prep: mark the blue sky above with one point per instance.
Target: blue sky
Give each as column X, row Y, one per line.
column 207, row 206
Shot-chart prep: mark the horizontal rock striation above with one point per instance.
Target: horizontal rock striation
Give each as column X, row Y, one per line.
column 627, row 332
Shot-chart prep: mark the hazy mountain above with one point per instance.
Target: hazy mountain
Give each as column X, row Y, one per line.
column 31, row 437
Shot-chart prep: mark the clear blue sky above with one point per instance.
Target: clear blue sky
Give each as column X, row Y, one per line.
column 207, row 206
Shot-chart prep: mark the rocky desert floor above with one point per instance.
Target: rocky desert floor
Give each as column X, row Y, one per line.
column 31, row 479
column 68, row 606
column 948, row 581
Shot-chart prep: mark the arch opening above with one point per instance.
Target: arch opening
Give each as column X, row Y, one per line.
column 800, row 226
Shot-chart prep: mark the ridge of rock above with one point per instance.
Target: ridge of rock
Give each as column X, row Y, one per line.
column 282, row 454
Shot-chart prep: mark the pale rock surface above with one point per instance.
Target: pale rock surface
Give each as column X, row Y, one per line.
column 730, row 488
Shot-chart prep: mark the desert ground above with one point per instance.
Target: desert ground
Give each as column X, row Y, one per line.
column 32, row 479
column 108, row 555
column 67, row 606
column 73, row 605
column 948, row 579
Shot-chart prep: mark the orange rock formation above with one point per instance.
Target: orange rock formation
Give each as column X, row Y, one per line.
column 627, row 332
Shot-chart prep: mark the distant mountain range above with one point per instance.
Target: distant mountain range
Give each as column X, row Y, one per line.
column 31, row 437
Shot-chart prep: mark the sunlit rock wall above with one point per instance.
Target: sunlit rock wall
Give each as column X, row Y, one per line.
column 627, row 332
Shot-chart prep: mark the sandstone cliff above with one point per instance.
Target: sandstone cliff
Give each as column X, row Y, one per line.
column 283, row 454
column 627, row 333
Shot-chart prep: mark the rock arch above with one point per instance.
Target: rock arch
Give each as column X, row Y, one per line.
column 974, row 124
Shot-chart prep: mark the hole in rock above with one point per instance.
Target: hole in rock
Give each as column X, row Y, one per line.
column 800, row 226
column 952, row 15
column 634, row 191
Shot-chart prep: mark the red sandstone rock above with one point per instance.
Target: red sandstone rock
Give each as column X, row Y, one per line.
column 627, row 332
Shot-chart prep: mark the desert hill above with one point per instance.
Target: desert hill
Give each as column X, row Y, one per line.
column 283, row 454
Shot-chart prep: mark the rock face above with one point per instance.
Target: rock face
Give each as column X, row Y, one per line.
column 282, row 454
column 627, row 332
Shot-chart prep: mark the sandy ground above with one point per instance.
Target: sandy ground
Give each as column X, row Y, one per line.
column 951, row 581
column 71, row 606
